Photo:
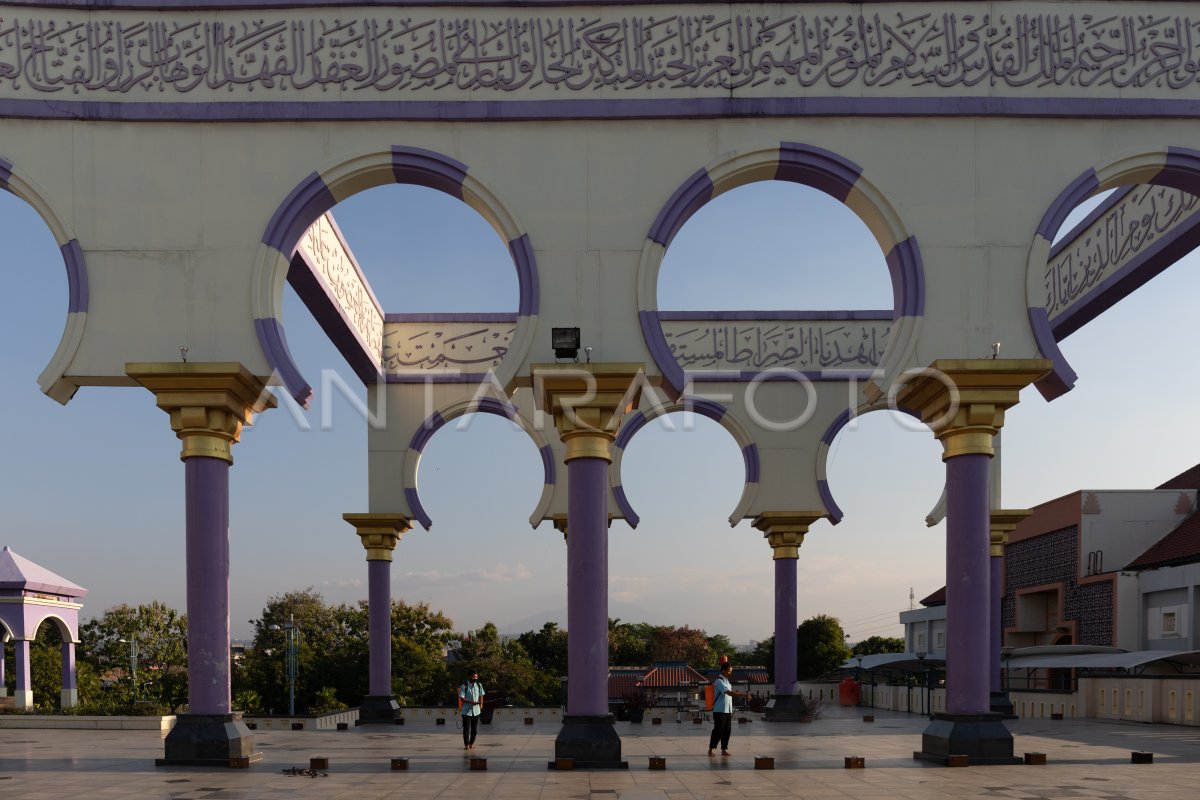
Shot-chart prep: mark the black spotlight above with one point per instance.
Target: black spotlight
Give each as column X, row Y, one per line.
column 565, row 342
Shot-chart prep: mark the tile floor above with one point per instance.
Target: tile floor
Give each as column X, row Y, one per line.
column 1085, row 760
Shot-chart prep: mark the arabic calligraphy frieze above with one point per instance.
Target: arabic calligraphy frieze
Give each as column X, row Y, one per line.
column 1112, row 49
column 327, row 255
column 450, row 346
column 1140, row 219
column 751, row 345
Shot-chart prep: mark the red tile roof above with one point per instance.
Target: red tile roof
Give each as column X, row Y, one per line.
column 668, row 676
column 1189, row 479
column 625, row 681
column 938, row 598
column 1180, row 546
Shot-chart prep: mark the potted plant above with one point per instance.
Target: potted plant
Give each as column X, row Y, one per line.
column 637, row 703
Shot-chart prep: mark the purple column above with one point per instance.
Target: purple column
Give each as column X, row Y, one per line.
column 785, row 626
column 207, row 484
column 68, row 665
column 24, row 687
column 968, row 595
column 3, row 686
column 997, row 635
column 587, row 587
column 379, row 606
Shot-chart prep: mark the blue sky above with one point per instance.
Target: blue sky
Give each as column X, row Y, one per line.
column 94, row 491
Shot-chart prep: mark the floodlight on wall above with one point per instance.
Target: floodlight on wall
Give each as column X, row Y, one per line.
column 565, row 342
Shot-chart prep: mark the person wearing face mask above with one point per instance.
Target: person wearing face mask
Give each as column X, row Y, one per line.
column 470, row 695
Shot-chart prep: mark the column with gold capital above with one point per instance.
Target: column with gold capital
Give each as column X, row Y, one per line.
column 785, row 531
column 379, row 534
column 1002, row 523
column 587, row 403
column 964, row 401
column 208, row 404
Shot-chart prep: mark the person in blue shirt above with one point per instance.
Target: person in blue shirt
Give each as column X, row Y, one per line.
column 471, row 693
column 722, row 710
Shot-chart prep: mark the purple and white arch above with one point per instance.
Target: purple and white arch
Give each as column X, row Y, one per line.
column 320, row 191
column 485, row 405
column 812, row 166
column 706, row 408
column 53, row 380
column 1175, row 167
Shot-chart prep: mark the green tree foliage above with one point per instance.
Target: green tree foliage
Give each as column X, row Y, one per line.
column 629, row 643
column 763, row 655
column 719, row 645
column 879, row 644
column 420, row 638
column 547, row 648
column 820, row 647
column 505, row 670
column 334, row 654
column 161, row 636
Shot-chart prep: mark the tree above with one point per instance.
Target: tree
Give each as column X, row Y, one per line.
column 879, row 644
column 718, row 645
column 505, row 669
column 629, row 644
column 160, row 634
column 420, row 638
column 820, row 647
column 547, row 648
column 685, row 644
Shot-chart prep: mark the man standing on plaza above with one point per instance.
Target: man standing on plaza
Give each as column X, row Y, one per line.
column 470, row 695
column 722, row 709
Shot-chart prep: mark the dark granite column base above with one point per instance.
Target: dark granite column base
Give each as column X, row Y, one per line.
column 788, row 708
column 208, row 740
column 591, row 740
column 1002, row 705
column 982, row 738
column 377, row 709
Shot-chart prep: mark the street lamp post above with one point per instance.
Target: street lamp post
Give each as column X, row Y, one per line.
column 925, row 702
column 133, row 657
column 292, row 670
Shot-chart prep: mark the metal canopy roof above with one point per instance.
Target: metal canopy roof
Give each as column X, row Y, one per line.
column 899, row 662
column 1129, row 660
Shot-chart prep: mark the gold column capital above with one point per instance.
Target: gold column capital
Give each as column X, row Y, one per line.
column 588, row 402
column 208, row 402
column 379, row 533
column 560, row 524
column 1002, row 522
column 784, row 530
column 964, row 400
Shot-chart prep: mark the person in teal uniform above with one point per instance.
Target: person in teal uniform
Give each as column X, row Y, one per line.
column 471, row 693
column 722, row 710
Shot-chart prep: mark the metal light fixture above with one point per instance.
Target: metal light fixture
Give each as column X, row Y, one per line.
column 565, row 342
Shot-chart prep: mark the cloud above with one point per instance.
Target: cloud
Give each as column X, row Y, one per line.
column 496, row 573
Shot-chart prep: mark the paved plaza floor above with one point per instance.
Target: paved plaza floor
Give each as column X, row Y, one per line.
column 1084, row 760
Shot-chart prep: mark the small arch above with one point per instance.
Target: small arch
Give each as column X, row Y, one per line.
column 706, row 408
column 53, row 380
column 64, row 629
column 485, row 405
column 822, row 454
column 820, row 169
column 320, row 191
column 1174, row 167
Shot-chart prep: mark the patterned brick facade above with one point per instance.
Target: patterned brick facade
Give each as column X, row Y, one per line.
column 1054, row 559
